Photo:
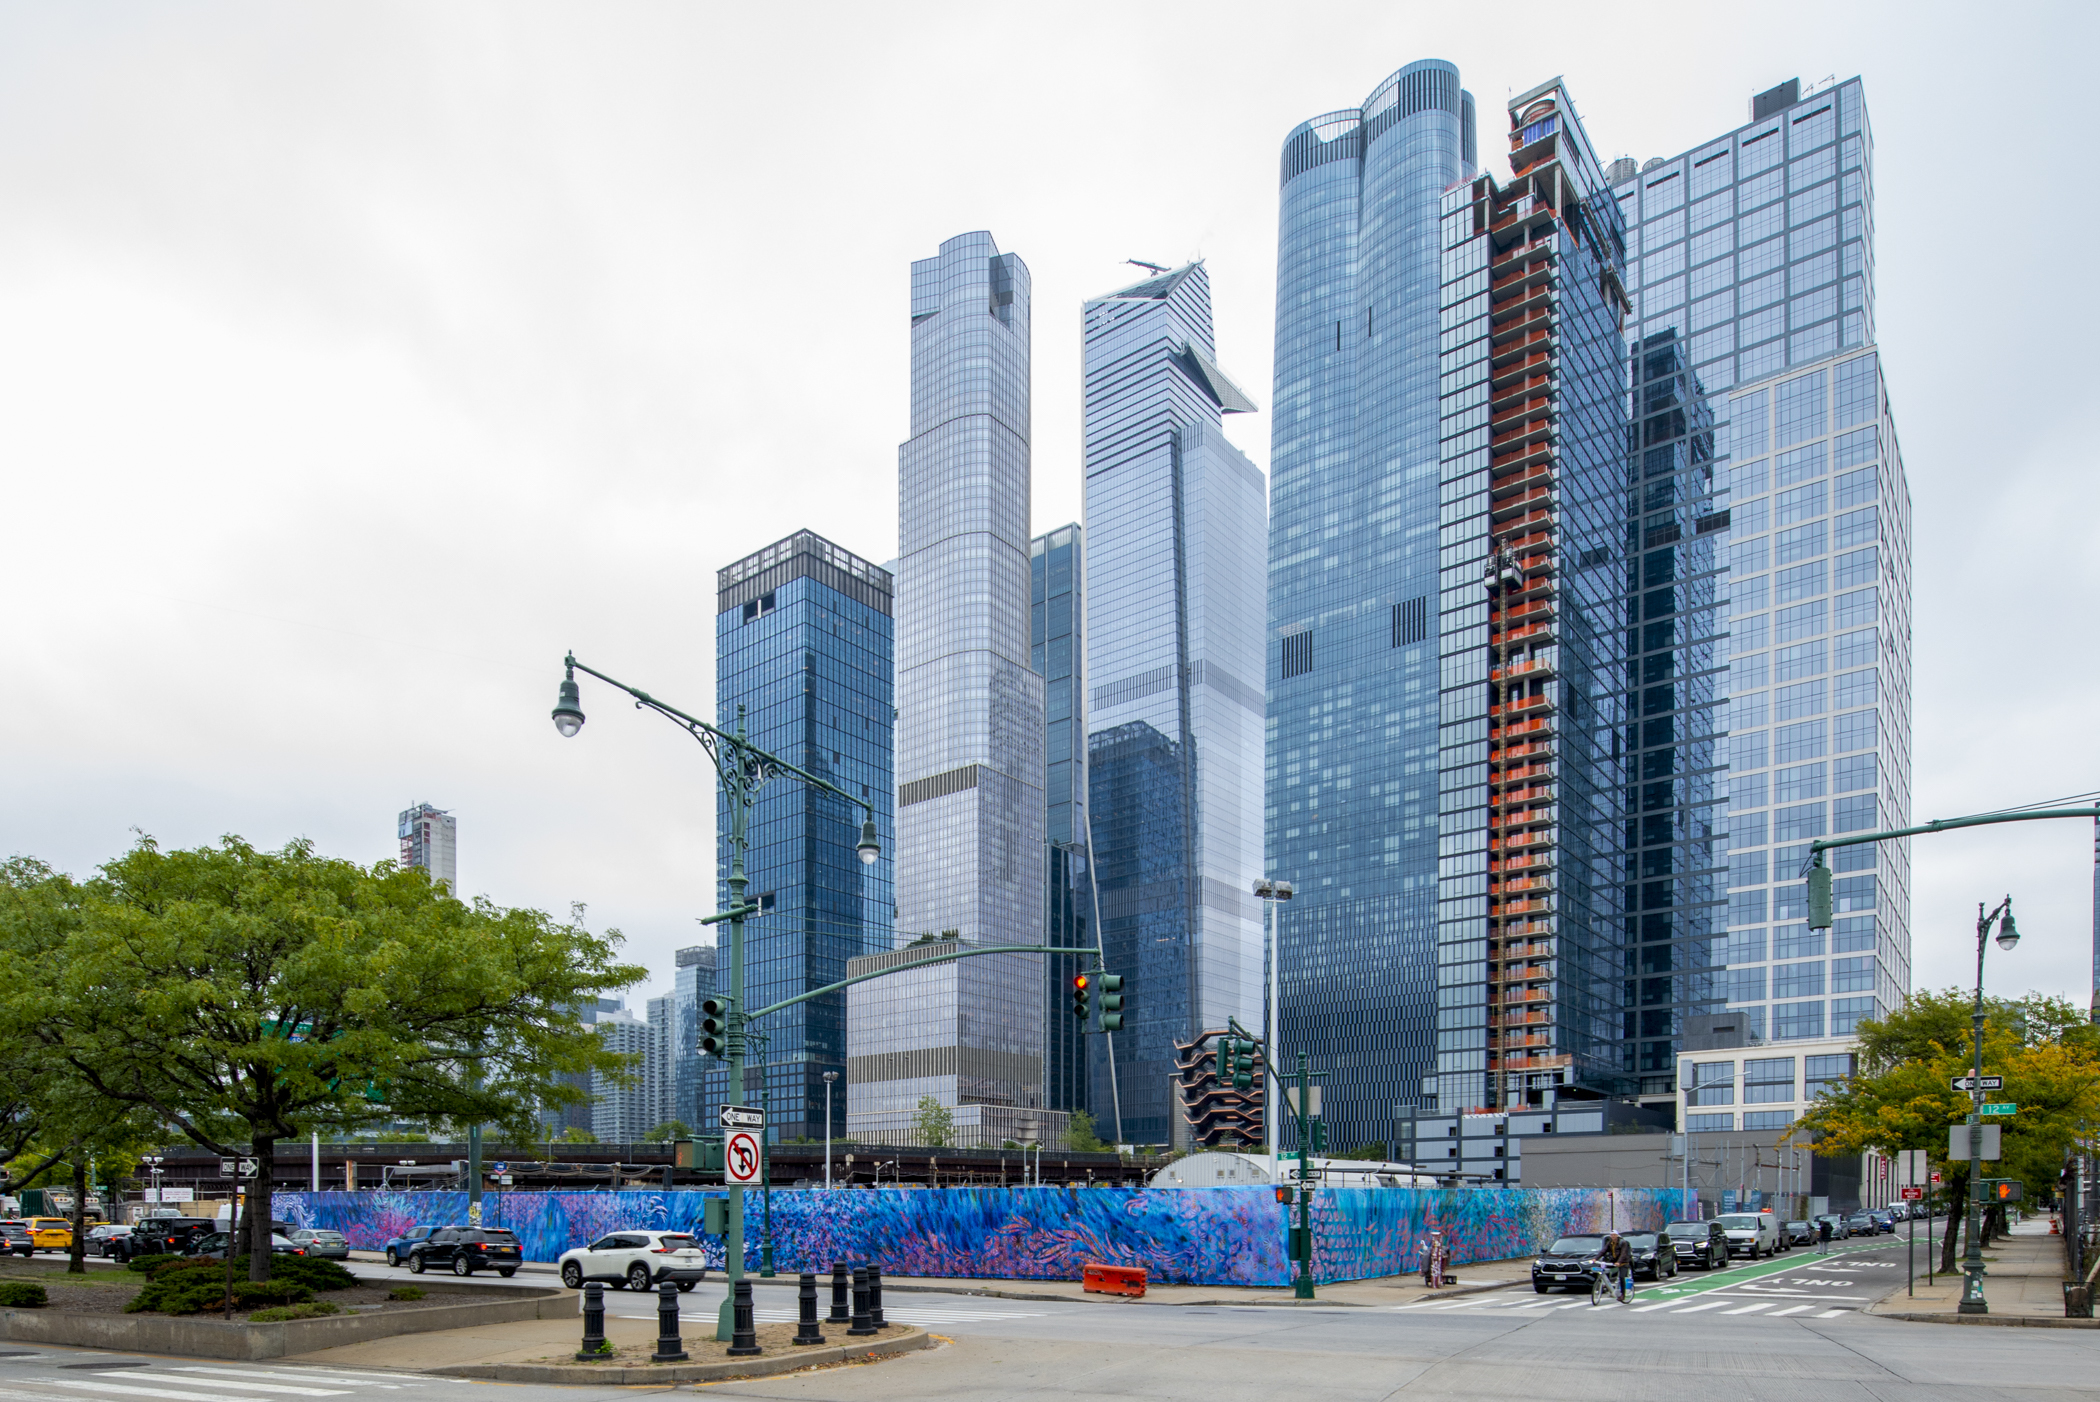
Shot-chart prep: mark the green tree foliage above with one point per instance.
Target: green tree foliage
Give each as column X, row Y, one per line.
column 1374, row 1151
column 1903, row 1095
column 934, row 1125
column 1082, row 1137
column 242, row 997
column 667, row 1131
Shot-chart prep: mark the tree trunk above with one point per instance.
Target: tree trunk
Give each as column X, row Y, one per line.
column 259, row 1210
column 76, row 1256
column 1957, row 1210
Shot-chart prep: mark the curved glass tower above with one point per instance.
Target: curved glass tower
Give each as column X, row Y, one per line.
column 1353, row 582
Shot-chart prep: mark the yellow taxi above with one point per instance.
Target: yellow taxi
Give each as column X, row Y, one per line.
column 50, row 1233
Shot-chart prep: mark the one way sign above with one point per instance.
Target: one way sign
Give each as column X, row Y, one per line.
column 1989, row 1083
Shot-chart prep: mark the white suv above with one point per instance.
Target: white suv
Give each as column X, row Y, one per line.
column 1751, row 1234
column 636, row 1260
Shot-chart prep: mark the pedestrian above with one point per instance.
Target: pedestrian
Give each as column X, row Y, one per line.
column 1822, row 1236
column 1433, row 1256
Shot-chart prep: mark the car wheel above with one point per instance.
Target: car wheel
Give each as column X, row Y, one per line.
column 415, row 1265
column 637, row 1276
column 507, row 1274
column 685, row 1287
column 460, row 1266
column 391, row 1258
column 1541, row 1286
column 572, row 1275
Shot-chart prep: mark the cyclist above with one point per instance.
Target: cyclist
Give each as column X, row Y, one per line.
column 1615, row 1264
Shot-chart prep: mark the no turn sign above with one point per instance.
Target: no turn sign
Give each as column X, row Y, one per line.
column 740, row 1157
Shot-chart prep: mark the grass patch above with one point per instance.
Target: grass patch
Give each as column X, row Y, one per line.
column 407, row 1292
column 313, row 1309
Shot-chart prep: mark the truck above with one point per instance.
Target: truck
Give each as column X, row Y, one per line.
column 56, row 1202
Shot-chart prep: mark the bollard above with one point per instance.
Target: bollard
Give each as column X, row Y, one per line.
column 875, row 1297
column 841, row 1286
column 743, row 1341
column 861, row 1323
column 806, row 1331
column 669, row 1347
column 593, row 1345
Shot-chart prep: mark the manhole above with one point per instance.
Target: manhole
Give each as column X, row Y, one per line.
column 109, row 1363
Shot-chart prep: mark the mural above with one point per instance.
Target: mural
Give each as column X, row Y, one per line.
column 1195, row 1236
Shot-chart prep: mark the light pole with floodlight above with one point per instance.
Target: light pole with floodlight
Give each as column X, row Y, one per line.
column 829, row 1077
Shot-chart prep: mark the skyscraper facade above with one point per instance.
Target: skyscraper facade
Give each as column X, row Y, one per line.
column 659, row 1090
column 1754, row 252
column 430, row 840
column 620, row 1109
column 1352, row 671
column 803, row 662
column 692, row 980
column 970, row 798
column 1057, row 593
column 1530, row 772
column 1176, row 547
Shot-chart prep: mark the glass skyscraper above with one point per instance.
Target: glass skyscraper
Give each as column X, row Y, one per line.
column 1176, row 524
column 1754, row 254
column 1057, row 631
column 1352, row 670
column 970, row 799
column 803, row 657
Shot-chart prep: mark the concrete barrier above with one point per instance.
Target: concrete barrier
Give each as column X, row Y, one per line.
column 195, row 1336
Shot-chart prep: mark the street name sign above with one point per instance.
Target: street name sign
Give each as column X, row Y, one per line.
column 2000, row 1108
column 1989, row 1083
column 742, row 1117
column 740, row 1157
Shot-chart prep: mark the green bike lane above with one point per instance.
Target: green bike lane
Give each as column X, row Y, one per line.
column 1800, row 1273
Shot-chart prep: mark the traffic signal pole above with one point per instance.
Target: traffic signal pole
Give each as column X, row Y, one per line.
column 1302, row 1235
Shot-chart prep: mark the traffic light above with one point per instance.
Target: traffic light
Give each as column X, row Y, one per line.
column 1243, row 1066
column 2003, row 1190
column 1080, row 985
column 1319, row 1136
column 1228, row 1057
column 1111, row 1002
column 714, row 1026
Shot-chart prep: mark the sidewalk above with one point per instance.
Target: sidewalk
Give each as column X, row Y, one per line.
column 2023, row 1283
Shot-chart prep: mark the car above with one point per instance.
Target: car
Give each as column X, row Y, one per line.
column 1566, row 1262
column 103, row 1237
column 1649, row 1257
column 1751, row 1234
column 319, row 1241
column 1799, row 1233
column 1840, row 1225
column 467, row 1250
column 163, row 1234
column 1862, row 1224
column 213, row 1243
column 1701, row 1244
column 397, row 1249
column 15, row 1236
column 1884, row 1220
column 638, row 1260
column 50, row 1233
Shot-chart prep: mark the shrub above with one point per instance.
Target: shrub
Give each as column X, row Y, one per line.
column 407, row 1292
column 314, row 1272
column 279, row 1313
column 188, row 1286
column 23, row 1294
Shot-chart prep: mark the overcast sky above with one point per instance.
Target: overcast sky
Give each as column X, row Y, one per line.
column 356, row 360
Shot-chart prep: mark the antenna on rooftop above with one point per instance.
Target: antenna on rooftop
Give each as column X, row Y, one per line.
column 1149, row 267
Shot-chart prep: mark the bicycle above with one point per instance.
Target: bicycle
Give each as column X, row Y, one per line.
column 1605, row 1283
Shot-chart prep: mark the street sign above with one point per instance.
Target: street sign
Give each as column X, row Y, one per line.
column 741, row 1158
column 499, row 1168
column 1935, row 1180
column 236, row 1168
column 1911, row 1166
column 742, row 1117
column 1989, row 1083
column 1958, row 1142
column 1913, row 1194
column 2000, row 1107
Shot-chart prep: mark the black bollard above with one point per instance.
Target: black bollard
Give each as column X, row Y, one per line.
column 875, row 1297
column 669, row 1347
column 861, row 1323
column 743, row 1341
column 806, row 1331
column 841, row 1291
column 593, row 1344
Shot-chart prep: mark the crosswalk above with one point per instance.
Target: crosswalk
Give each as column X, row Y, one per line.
column 118, row 1381
column 1716, row 1306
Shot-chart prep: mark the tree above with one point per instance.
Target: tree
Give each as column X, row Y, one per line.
column 243, row 997
column 1374, row 1151
column 667, row 1131
column 934, row 1125
column 577, row 1135
column 1903, row 1097
column 1081, row 1137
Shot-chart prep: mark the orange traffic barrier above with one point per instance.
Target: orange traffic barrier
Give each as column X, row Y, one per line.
column 1095, row 1278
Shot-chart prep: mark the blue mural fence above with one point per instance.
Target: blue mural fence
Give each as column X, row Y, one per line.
column 1194, row 1236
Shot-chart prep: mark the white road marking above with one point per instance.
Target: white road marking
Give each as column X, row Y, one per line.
column 1708, row 1305
column 129, row 1391
column 1830, row 1314
column 309, row 1376
column 1790, row 1309
column 1659, row 1305
column 1752, row 1309
column 278, row 1388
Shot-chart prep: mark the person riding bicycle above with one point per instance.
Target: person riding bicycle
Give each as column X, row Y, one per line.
column 1617, row 1259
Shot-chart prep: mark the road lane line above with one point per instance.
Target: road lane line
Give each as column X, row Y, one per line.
column 1752, row 1308
column 279, row 1388
column 1708, row 1305
column 311, row 1376
column 83, row 1384
column 1790, row 1309
column 1830, row 1314
column 1658, row 1305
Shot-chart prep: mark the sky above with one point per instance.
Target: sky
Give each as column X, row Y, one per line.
column 357, row 360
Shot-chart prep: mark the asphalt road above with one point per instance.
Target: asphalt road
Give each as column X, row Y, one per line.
column 1788, row 1328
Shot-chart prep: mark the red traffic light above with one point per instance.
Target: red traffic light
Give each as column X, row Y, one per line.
column 1079, row 983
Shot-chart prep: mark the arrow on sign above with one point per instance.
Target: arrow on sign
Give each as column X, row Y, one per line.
column 742, row 1117
column 1989, row 1083
column 740, row 1158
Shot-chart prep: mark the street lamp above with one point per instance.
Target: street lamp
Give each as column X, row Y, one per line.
column 742, row 768
column 829, row 1077
column 1271, row 894
column 1972, row 1301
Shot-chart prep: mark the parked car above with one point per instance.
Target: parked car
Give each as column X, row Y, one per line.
column 213, row 1243
column 1862, row 1224
column 51, row 1233
column 103, row 1237
column 639, row 1260
column 1565, row 1262
column 467, row 1250
column 317, row 1241
column 15, row 1236
column 162, row 1234
column 1884, row 1219
column 1751, row 1234
column 1799, row 1233
column 1701, row 1244
column 1650, row 1257
column 397, row 1249
column 1840, row 1225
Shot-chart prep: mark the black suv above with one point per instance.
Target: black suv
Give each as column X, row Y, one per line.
column 164, row 1234
column 15, row 1236
column 467, row 1250
column 1701, row 1244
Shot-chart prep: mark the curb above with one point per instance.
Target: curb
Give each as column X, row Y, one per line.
column 2002, row 1321
column 573, row 1374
